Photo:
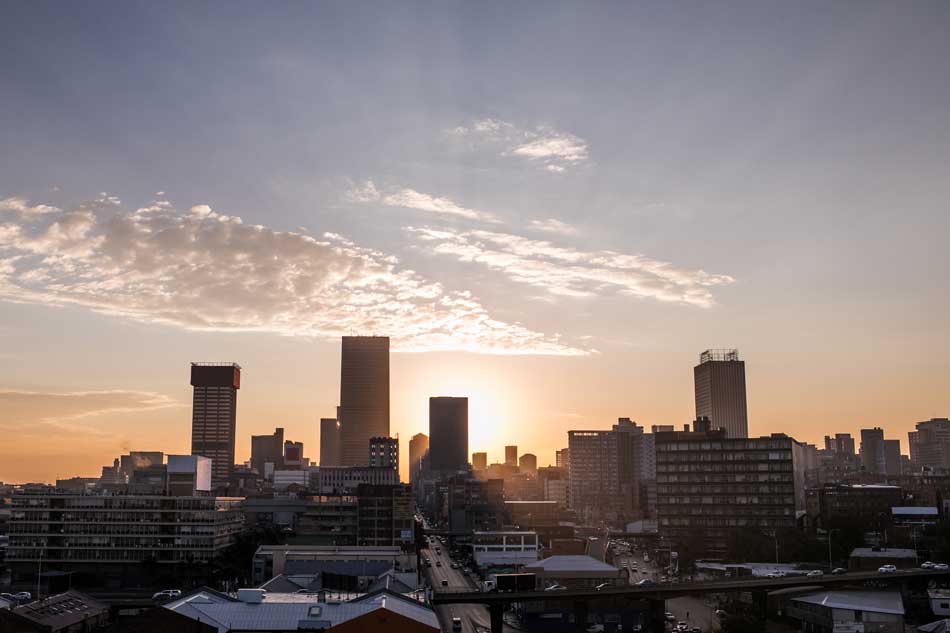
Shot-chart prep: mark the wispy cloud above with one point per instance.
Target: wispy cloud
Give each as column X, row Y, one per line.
column 406, row 198
column 552, row 225
column 204, row 270
column 22, row 208
column 62, row 410
column 552, row 149
column 574, row 273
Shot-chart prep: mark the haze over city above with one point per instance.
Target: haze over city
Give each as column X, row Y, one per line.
column 550, row 213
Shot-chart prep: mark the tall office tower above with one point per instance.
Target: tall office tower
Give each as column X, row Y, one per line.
column 418, row 446
column 930, row 444
column 719, row 381
column 511, row 456
column 629, row 457
column 214, row 415
column 448, row 433
column 267, row 449
column 384, row 452
column 872, row 450
column 479, row 461
column 892, row 457
column 364, row 395
column 330, row 446
column 528, row 463
column 562, row 458
column 594, row 471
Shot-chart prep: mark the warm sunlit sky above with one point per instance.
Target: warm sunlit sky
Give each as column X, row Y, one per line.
column 551, row 208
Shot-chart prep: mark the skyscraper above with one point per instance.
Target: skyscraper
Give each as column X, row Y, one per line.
column 418, row 446
column 719, row 381
column 267, row 449
column 528, row 463
column 448, row 433
column 214, row 415
column 384, row 452
column 840, row 444
column 892, row 457
column 511, row 456
column 929, row 445
column 873, row 458
column 364, row 396
column 479, row 461
column 330, row 447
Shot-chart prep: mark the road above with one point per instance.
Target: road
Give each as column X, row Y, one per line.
column 474, row 616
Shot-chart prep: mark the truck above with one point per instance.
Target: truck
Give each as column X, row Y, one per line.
column 514, row 582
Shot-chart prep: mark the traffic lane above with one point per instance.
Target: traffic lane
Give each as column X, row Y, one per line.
column 695, row 611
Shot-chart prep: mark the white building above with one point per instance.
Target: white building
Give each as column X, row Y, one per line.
column 878, row 611
column 505, row 549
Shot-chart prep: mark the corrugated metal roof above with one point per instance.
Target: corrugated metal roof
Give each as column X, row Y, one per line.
column 874, row 601
column 572, row 562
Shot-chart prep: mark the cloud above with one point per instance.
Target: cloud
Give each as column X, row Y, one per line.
column 552, row 225
column 62, row 410
column 574, row 273
column 553, row 149
column 202, row 270
column 20, row 208
column 411, row 199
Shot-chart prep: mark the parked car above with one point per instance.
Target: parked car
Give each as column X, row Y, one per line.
column 556, row 587
column 837, row 571
column 815, row 572
column 22, row 596
column 927, row 565
column 166, row 594
column 941, row 566
column 646, row 582
column 775, row 574
column 887, row 569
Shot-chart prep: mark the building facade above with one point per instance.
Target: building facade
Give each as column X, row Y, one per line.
column 214, row 415
column 479, row 461
column 384, row 453
column 719, row 381
column 330, row 442
column 448, row 433
column 594, row 472
column 267, row 449
column 930, row 444
column 511, row 456
column 418, row 447
column 364, row 396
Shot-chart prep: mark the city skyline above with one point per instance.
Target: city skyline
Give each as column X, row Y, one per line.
column 550, row 217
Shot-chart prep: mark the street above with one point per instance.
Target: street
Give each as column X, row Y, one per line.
column 474, row 616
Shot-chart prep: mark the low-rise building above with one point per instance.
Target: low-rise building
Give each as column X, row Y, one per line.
column 505, row 549
column 273, row 560
column 871, row 558
column 574, row 572
column 69, row 612
column 868, row 611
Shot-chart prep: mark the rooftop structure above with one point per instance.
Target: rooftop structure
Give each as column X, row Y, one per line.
column 62, row 612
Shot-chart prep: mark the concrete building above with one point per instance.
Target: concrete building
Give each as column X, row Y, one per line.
column 929, row 445
column 384, row 452
column 511, row 456
column 719, row 382
column 345, row 480
column 385, row 515
column 892, row 457
column 479, row 461
column 293, row 456
column 840, row 444
column 594, row 472
column 214, row 416
column 273, row 560
column 866, row 505
column 69, row 612
column 711, row 483
column 575, row 572
column 418, row 447
column 505, row 548
column 562, row 458
column 878, row 611
column 873, row 458
column 106, row 540
column 188, row 475
column 448, row 433
column 528, row 463
column 331, row 448
column 364, row 395
column 267, row 449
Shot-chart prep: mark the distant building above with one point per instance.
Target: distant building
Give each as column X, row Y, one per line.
column 873, row 458
column 840, row 444
column 364, row 395
column 418, row 447
column 293, row 455
column 345, row 480
column 575, row 572
column 448, row 433
column 562, row 458
column 594, row 471
column 505, row 548
column 872, row 558
column 62, row 613
column 384, row 452
column 930, row 444
column 137, row 460
column 267, row 449
column 214, row 415
column 865, row 505
column 188, row 475
column 719, row 381
column 892, row 457
column 479, row 461
column 528, row 463
column 385, row 515
column 331, row 449
column 274, row 560
column 511, row 455
column 713, row 484
column 850, row 610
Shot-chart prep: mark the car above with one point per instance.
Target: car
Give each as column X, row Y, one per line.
column 721, row 614
column 927, row 565
column 682, row 626
column 887, row 569
column 456, row 624
column 669, row 617
column 602, row 585
column 445, row 583
column 166, row 594
column 595, row 628
column 941, row 566
column 815, row 572
column 646, row 582
column 837, row 571
column 454, row 565
column 438, row 563
column 556, row 587
column 775, row 574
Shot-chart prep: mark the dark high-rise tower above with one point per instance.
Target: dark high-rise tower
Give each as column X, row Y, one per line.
column 364, row 396
column 418, row 446
column 267, row 448
column 511, row 455
column 214, row 414
column 448, row 433
column 384, row 452
column 719, row 380
column 330, row 447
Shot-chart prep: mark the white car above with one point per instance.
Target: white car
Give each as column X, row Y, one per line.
column 941, row 566
column 167, row 594
column 22, row 596
column 556, row 587
column 927, row 565
column 775, row 574
column 887, row 569
column 815, row 572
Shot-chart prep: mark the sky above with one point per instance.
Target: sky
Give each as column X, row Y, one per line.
column 552, row 208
